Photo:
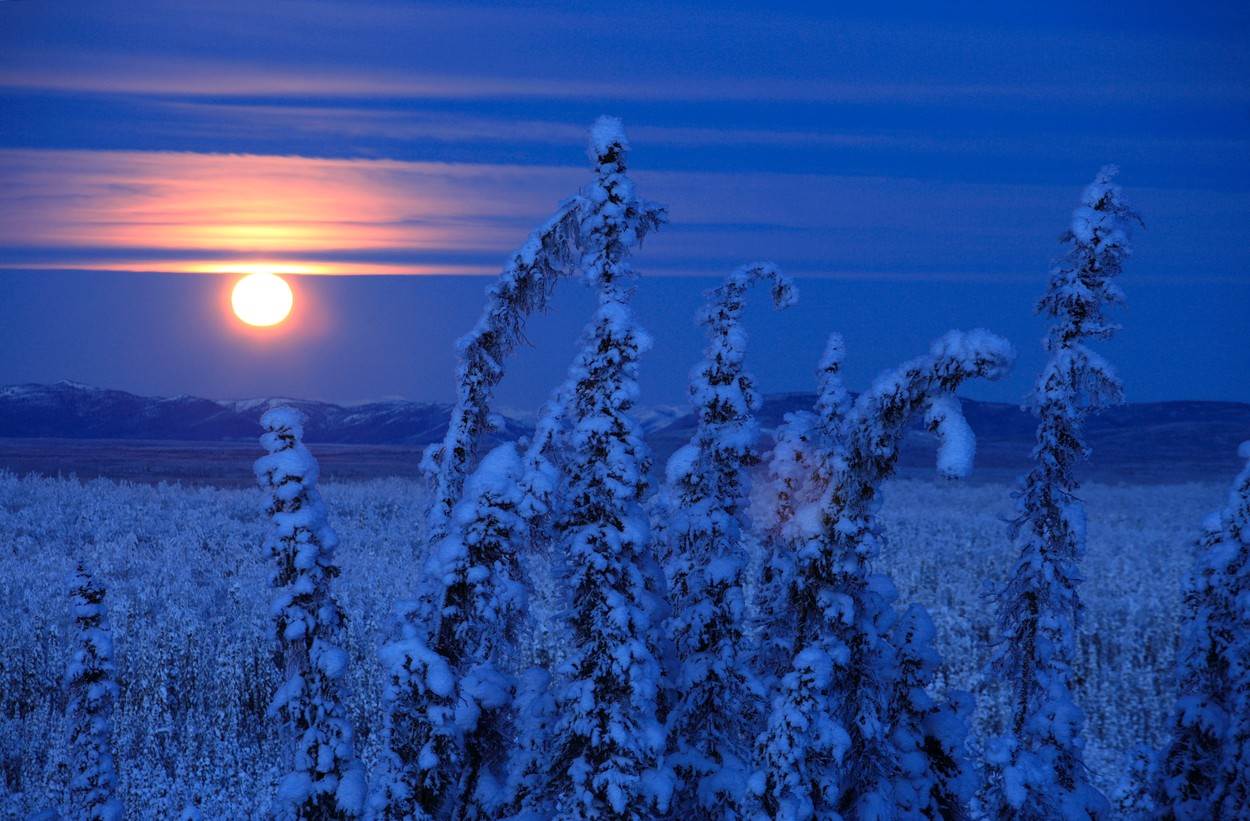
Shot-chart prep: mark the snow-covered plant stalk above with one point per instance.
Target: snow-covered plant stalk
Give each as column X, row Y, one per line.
column 483, row 605
column 1133, row 796
column 710, row 727
column 525, row 792
column 833, row 400
column 526, row 795
column 1204, row 772
column 799, row 446
column 324, row 779
column 523, row 287
column 1037, row 770
column 91, row 692
column 934, row 780
column 541, row 507
column 428, row 740
column 419, row 734
column 419, row 724
column 453, row 678
column 541, row 469
column 828, row 747
column 609, row 739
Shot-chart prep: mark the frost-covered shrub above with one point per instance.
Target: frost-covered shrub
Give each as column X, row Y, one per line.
column 455, row 677
column 1036, row 769
column 419, row 694
column 92, row 690
column 798, row 447
column 441, row 732
column 324, row 779
column 716, row 704
column 523, row 796
column 523, row 288
column 608, row 739
column 929, row 735
column 1132, row 797
column 830, row 744
column 1205, row 770
column 196, row 670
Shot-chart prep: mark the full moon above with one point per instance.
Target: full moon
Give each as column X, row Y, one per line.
column 262, row 299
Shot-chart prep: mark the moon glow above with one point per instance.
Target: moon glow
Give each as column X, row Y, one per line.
column 262, row 299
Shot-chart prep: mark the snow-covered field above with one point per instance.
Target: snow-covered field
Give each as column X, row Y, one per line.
column 188, row 598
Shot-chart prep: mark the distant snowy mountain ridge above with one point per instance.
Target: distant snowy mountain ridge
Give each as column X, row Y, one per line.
column 70, row 410
column 1148, row 436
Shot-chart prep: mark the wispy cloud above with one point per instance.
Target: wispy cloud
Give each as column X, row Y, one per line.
column 186, row 212
column 432, row 51
column 189, row 77
column 286, row 210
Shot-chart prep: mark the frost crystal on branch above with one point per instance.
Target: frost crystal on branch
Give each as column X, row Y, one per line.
column 704, row 559
column 1204, row 772
column 1038, row 771
column 841, row 738
column 324, row 779
column 89, row 710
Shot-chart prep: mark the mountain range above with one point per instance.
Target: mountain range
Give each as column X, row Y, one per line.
column 69, row 410
column 1153, row 441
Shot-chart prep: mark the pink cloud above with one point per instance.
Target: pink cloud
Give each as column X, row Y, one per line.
column 187, row 212
column 265, row 207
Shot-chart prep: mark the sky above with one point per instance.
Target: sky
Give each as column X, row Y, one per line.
column 911, row 167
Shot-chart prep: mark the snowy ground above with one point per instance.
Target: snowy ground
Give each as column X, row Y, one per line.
column 187, row 590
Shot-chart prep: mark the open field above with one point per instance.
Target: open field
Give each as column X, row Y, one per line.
column 187, row 586
column 228, row 464
column 220, row 464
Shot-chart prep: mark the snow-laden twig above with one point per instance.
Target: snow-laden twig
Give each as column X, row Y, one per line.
column 323, row 778
column 523, row 288
column 1037, row 769
column 1204, row 772
column 842, row 736
column 715, row 702
column 608, row 740
column 91, row 689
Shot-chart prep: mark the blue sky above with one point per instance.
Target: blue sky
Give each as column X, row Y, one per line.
column 911, row 167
